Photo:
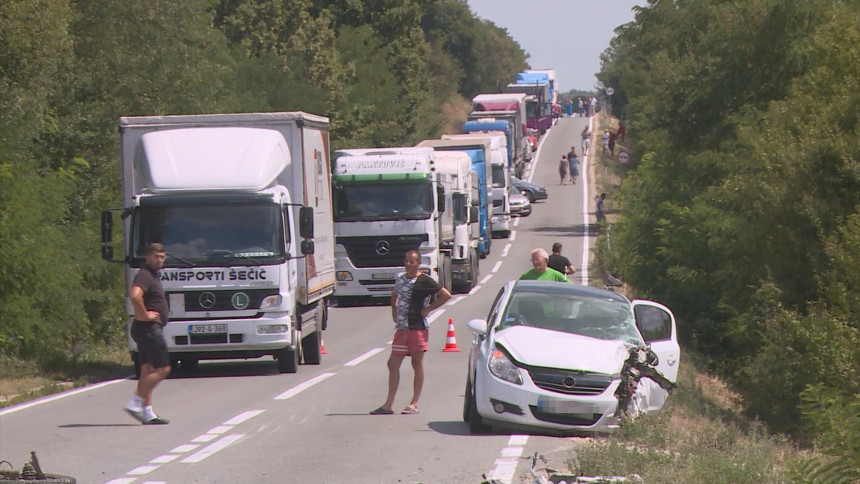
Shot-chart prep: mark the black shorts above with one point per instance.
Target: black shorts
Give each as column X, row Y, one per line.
column 151, row 346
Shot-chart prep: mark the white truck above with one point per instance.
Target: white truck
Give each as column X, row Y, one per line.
column 458, row 179
column 501, row 178
column 388, row 201
column 242, row 204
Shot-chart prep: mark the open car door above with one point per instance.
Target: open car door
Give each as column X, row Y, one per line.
column 657, row 325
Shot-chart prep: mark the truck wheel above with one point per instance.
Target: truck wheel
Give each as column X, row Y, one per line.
column 445, row 278
column 135, row 360
column 312, row 348
column 288, row 360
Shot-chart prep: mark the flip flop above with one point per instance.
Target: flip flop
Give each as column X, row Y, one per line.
column 409, row 411
column 381, row 411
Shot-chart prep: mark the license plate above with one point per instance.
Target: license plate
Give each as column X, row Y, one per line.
column 553, row 405
column 382, row 275
column 207, row 328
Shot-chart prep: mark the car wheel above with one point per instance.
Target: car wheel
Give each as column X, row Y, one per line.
column 467, row 401
column 476, row 422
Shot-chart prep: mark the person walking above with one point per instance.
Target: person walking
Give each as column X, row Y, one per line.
column 574, row 165
column 150, row 316
column 540, row 270
column 559, row 262
column 601, row 214
column 605, row 141
column 410, row 305
column 586, row 140
column 562, row 168
column 612, row 136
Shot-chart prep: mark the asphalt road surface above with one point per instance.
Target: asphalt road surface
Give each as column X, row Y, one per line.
column 241, row 421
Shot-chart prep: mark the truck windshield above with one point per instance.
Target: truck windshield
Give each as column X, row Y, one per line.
column 212, row 233
column 499, row 176
column 460, row 209
column 382, row 201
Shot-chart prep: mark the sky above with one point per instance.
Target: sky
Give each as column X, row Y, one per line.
column 565, row 35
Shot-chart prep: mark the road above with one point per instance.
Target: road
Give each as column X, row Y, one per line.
column 241, row 421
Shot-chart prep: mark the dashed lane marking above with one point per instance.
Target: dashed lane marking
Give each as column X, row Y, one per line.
column 356, row 361
column 487, row 278
column 303, row 386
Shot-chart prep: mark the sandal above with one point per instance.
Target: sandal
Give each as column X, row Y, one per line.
column 409, row 411
column 381, row 411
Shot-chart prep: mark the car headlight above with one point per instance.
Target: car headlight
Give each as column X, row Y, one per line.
column 501, row 367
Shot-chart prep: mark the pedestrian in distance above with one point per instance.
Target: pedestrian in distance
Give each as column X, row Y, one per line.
column 410, row 305
column 586, row 140
column 601, row 214
column 574, row 165
column 540, row 270
column 559, row 262
column 569, row 108
column 150, row 316
column 612, row 136
column 622, row 128
column 605, row 141
column 562, row 168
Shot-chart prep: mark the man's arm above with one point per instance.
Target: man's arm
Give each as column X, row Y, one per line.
column 140, row 312
column 442, row 296
column 393, row 303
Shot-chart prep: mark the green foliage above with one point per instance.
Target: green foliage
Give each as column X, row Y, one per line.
column 837, row 413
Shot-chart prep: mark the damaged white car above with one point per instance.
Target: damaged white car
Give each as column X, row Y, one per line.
column 561, row 357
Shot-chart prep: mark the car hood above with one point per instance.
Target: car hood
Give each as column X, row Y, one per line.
column 554, row 349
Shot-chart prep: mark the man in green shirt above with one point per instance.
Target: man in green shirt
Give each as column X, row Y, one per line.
column 541, row 271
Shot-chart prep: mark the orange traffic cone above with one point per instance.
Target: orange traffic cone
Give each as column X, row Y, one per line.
column 450, row 342
column 322, row 345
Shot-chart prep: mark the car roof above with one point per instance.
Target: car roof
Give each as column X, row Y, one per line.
column 565, row 288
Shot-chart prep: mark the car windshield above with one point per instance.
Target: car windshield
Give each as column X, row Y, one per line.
column 572, row 313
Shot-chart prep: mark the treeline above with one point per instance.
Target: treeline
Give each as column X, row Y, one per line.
column 741, row 204
column 384, row 71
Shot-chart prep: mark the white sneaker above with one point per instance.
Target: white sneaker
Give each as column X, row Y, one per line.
column 136, row 413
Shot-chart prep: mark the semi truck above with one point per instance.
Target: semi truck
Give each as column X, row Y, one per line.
column 539, row 112
column 388, row 201
column 242, row 205
column 500, row 194
column 479, row 152
column 461, row 181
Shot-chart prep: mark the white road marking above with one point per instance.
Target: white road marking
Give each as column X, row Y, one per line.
column 363, row 357
column 504, row 471
column 513, row 235
column 221, row 429
column 517, row 221
column 518, row 439
column 154, row 482
column 58, row 396
column 122, row 480
column 139, row 471
column 506, row 249
column 243, row 417
column 474, row 289
column 486, row 278
column 454, row 300
column 211, row 449
column 512, row 451
column 203, row 438
column 184, row 448
column 303, row 386
column 507, row 465
column 435, row 316
column 164, row 459
column 583, row 267
column 496, row 267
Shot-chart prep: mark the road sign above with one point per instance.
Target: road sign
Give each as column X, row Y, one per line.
column 623, row 157
column 609, row 91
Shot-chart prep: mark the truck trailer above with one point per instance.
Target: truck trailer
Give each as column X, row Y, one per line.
column 242, row 205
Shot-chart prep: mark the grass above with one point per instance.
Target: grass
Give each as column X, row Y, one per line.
column 22, row 381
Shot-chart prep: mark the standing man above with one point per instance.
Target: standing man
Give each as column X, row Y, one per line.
column 559, row 262
column 540, row 270
column 410, row 305
column 150, row 316
column 601, row 214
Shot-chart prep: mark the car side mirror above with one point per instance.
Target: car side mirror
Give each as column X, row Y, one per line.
column 478, row 326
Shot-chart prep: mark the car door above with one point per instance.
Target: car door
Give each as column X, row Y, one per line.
column 656, row 323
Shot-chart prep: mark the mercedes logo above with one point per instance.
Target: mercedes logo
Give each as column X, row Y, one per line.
column 206, row 300
column 383, row 247
column 240, row 300
column 569, row 382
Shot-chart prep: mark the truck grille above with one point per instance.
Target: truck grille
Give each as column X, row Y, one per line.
column 380, row 251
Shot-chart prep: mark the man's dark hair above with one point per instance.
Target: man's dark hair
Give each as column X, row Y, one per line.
column 154, row 247
column 556, row 247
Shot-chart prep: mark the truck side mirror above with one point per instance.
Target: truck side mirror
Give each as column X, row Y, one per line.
column 107, row 235
column 306, row 225
column 440, row 199
column 474, row 215
column 307, row 247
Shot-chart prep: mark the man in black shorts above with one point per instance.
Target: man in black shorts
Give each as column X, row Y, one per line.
column 559, row 262
column 150, row 315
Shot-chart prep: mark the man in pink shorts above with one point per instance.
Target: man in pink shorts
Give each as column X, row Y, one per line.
column 410, row 305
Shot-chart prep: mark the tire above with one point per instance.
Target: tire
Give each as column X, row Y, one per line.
column 475, row 272
column 135, row 360
column 476, row 422
column 467, row 401
column 312, row 348
column 506, row 234
column 287, row 360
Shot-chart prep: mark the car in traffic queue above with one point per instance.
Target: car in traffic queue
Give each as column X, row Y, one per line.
column 532, row 191
column 549, row 355
column 520, row 205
